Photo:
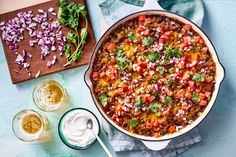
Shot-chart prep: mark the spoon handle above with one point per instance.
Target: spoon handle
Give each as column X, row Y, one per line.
column 103, row 145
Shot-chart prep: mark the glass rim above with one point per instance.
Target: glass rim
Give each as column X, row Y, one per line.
column 44, row 81
column 63, row 139
column 25, row 110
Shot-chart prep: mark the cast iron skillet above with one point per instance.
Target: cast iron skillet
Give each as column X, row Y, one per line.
column 151, row 7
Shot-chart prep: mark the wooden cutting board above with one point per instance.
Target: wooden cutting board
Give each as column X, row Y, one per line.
column 36, row 64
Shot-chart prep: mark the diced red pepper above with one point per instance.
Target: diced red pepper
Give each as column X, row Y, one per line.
column 114, row 116
column 149, row 125
column 207, row 94
column 202, row 96
column 168, row 91
column 191, row 83
column 151, row 98
column 95, row 75
column 187, row 27
column 209, row 79
column 144, row 97
column 171, row 129
column 136, row 114
column 196, row 38
column 141, row 18
column 193, row 69
column 203, row 103
column 146, row 32
column 113, row 60
column 102, row 74
column 142, row 48
column 180, row 93
column 139, row 30
column 125, row 88
column 188, row 95
column 204, row 50
column 111, row 47
column 198, row 84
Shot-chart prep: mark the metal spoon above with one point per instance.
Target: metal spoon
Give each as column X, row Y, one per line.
column 90, row 127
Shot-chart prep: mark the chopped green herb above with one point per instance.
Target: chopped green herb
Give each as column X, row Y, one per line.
column 195, row 97
column 69, row 15
column 103, row 99
column 118, row 51
column 133, row 122
column 198, row 77
column 139, row 102
column 154, row 106
column 67, row 51
column 153, row 56
column 132, row 37
column 173, row 52
column 160, row 69
column 147, row 41
column 169, row 100
column 169, row 81
column 158, row 114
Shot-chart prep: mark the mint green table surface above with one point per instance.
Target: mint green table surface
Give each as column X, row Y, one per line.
column 218, row 131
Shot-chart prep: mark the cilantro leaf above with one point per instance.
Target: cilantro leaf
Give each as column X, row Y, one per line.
column 153, row 56
column 72, row 37
column 198, row 77
column 154, row 106
column 160, row 69
column 168, row 100
column 173, row 52
column 169, row 81
column 133, row 122
column 139, row 102
column 132, row 37
column 147, row 41
column 103, row 99
column 195, row 97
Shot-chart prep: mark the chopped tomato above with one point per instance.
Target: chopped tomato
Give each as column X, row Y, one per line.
column 171, row 129
column 141, row 18
column 184, row 58
column 114, row 116
column 125, row 88
column 161, row 40
column 207, row 94
column 168, row 91
column 204, row 50
column 150, row 98
column 139, row 30
column 95, row 75
column 113, row 60
column 203, row 103
column 188, row 95
column 136, row 114
column 193, row 69
column 198, row 84
column 191, row 83
column 111, row 47
column 142, row 48
column 150, row 77
column 146, row 32
column 187, row 27
column 144, row 97
column 149, row 125
column 180, row 93
column 202, row 96
column 209, row 79
column 196, row 38
column 102, row 74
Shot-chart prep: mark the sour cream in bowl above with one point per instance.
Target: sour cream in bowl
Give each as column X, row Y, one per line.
column 72, row 128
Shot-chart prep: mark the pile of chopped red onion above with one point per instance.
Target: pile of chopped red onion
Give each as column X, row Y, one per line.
column 49, row 37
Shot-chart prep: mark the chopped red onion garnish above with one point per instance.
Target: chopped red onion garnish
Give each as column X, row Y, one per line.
column 47, row 38
column 37, row 75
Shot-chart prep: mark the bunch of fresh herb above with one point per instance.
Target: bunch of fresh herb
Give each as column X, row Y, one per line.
column 69, row 15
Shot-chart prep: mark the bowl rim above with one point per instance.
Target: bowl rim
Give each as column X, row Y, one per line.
column 154, row 12
column 63, row 138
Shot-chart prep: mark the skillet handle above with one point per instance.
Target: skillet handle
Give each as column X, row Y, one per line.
column 156, row 145
column 151, row 4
